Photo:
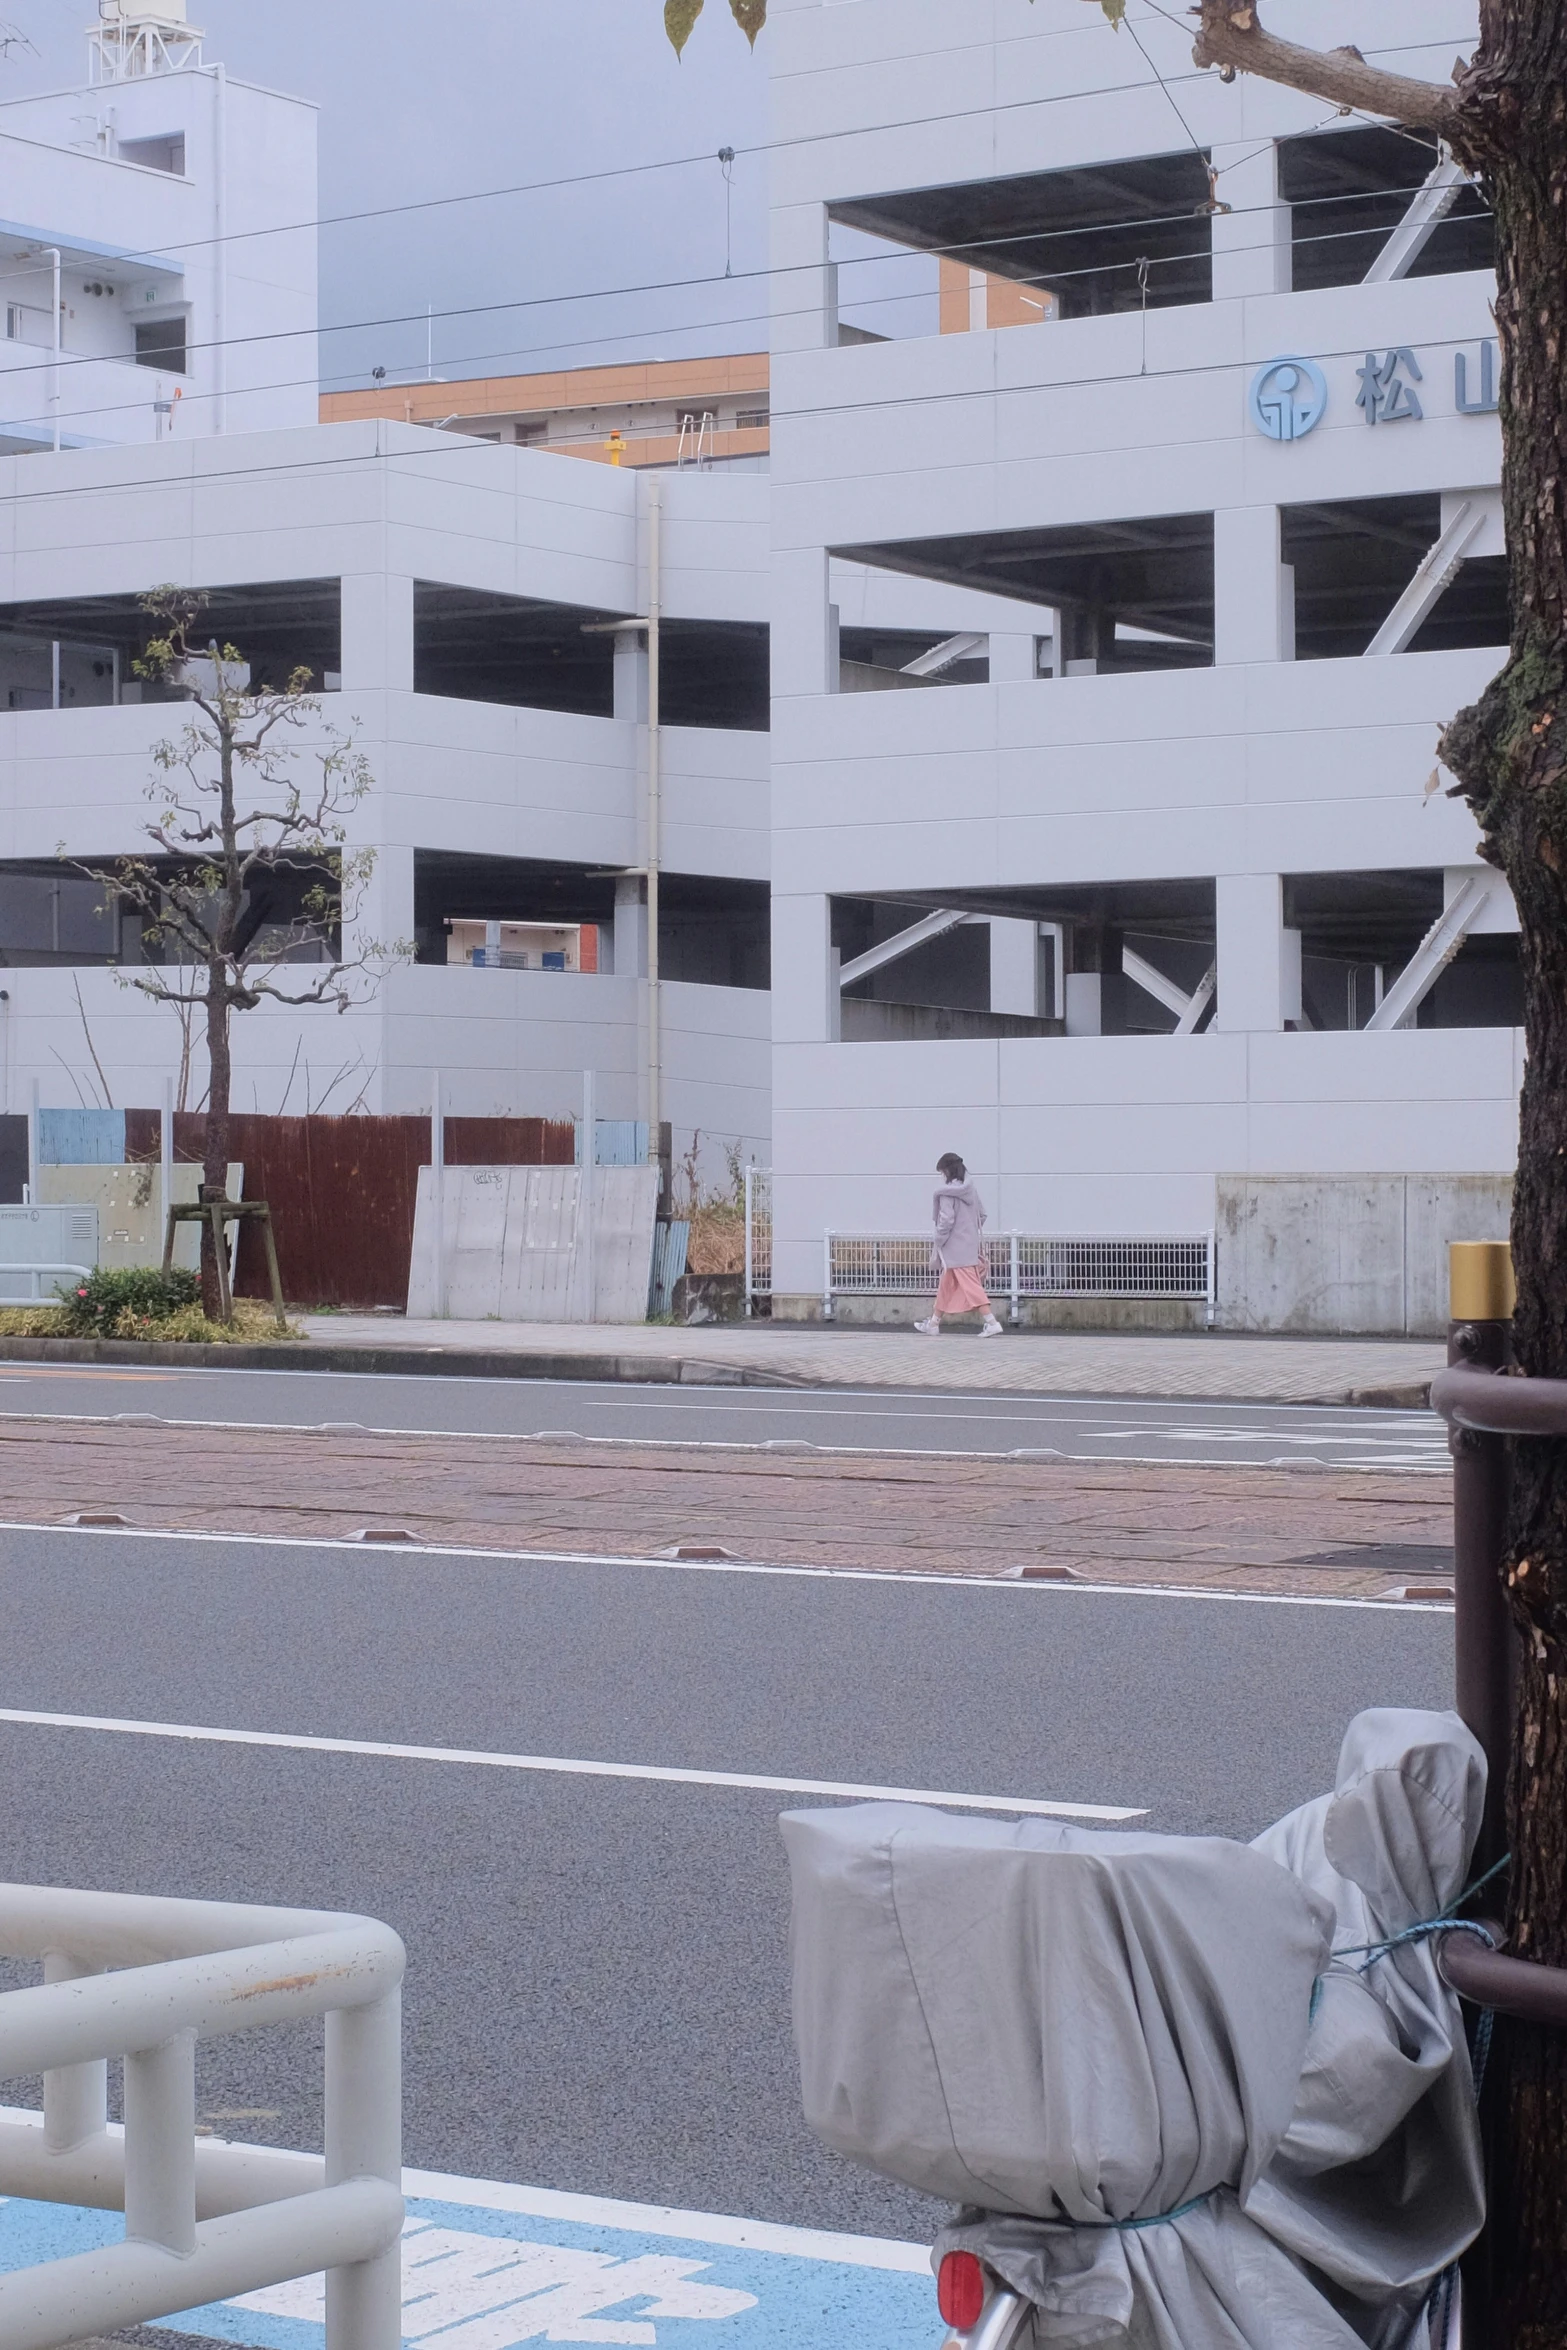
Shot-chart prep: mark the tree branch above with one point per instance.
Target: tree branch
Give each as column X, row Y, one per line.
column 1231, row 38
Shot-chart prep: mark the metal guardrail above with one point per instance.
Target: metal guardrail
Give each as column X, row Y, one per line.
column 15, row 1272
column 1019, row 1265
column 140, row 1978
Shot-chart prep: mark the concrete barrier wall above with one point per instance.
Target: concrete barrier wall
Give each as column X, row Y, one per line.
column 1348, row 1253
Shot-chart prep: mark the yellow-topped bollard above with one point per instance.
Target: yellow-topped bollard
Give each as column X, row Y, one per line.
column 1480, row 1281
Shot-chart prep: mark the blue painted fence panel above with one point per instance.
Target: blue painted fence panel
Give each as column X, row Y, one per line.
column 81, row 1138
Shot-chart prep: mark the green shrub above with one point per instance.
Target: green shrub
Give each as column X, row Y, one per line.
column 94, row 1308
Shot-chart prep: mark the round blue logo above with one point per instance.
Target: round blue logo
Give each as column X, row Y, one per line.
column 1287, row 398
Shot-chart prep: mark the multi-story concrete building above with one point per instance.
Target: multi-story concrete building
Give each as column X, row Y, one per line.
column 1133, row 528
column 475, row 618
column 1236, row 962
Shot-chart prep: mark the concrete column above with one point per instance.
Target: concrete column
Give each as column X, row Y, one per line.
column 1012, row 656
column 631, row 676
column 1253, row 610
column 1014, row 967
column 1251, row 242
column 805, row 287
column 378, row 633
column 630, row 932
column 806, row 997
column 1253, row 956
column 805, row 624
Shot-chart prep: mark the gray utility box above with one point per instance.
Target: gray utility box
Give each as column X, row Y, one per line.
column 57, row 1241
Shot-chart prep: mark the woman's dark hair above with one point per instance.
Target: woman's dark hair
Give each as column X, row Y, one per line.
column 950, row 1165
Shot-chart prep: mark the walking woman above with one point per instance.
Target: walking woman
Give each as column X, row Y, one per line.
column 958, row 1251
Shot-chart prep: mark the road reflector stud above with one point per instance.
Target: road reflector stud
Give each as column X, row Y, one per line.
column 383, row 1534
column 697, row 1552
column 101, row 1519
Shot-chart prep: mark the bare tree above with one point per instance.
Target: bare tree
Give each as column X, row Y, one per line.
column 251, row 879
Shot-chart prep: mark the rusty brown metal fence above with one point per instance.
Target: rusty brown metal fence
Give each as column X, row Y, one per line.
column 342, row 1190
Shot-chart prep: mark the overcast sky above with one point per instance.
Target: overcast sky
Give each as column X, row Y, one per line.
column 462, row 97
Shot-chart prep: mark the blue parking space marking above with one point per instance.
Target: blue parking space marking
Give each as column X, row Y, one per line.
column 486, row 2266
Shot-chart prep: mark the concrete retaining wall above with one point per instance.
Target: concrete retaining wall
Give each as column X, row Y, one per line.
column 1348, row 1253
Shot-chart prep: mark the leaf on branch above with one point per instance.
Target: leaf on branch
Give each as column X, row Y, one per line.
column 1114, row 10
column 750, row 16
column 679, row 17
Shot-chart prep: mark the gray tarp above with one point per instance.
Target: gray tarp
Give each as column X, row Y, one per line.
column 1069, row 2033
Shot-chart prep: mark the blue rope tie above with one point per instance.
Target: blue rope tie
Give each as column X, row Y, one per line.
column 1156, row 2219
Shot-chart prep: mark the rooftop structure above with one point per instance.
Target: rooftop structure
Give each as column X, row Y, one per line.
column 157, row 266
column 655, row 412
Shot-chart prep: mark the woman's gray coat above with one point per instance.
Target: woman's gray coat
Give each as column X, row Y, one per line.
column 960, row 1224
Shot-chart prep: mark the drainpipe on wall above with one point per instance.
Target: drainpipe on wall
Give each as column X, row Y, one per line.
column 51, row 254
column 654, row 816
column 220, row 258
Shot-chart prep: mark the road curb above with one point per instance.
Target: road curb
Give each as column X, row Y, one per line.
column 409, row 1361
column 412, row 1362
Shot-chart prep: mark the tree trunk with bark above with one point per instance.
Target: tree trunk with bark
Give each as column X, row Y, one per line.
column 1510, row 755
column 1506, row 120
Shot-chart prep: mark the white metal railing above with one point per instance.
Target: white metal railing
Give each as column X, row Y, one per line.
column 132, row 1976
column 758, row 1234
column 1019, row 1265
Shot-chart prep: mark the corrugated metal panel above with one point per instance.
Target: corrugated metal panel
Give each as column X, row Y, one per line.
column 81, row 1138
column 671, row 1243
column 622, row 1142
column 512, row 1244
column 342, row 1190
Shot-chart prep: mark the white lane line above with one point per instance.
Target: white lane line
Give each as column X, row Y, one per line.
column 202, row 1734
column 655, row 2219
column 774, row 1446
column 809, row 1574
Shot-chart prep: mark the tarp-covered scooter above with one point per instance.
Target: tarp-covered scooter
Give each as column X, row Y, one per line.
column 1187, row 2094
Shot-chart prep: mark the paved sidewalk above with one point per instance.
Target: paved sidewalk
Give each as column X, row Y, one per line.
column 1297, row 1530
column 794, row 1354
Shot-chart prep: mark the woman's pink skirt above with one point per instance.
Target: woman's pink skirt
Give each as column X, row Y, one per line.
column 961, row 1290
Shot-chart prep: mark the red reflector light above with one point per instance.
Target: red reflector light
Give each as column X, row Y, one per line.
column 960, row 2291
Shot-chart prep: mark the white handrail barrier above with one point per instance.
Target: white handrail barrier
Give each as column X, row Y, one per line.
column 204, row 2220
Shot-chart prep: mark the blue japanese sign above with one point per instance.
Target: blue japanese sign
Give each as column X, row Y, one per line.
column 1387, row 392
column 1287, row 398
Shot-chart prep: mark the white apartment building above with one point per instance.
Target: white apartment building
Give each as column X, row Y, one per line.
column 158, row 265
column 1147, row 907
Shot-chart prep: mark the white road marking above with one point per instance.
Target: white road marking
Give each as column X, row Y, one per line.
column 1438, row 1462
column 810, row 1574
column 656, row 2219
column 205, row 1735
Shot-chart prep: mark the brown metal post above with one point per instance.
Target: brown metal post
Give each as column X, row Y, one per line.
column 1480, row 1335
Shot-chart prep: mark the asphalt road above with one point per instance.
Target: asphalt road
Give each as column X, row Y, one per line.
column 1076, row 1427
column 598, row 1987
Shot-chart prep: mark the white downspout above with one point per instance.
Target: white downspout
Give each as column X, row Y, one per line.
column 51, row 254
column 220, row 274
column 655, row 493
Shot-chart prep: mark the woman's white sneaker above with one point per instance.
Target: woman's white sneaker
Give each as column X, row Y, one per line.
column 930, row 1329
column 990, row 1327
